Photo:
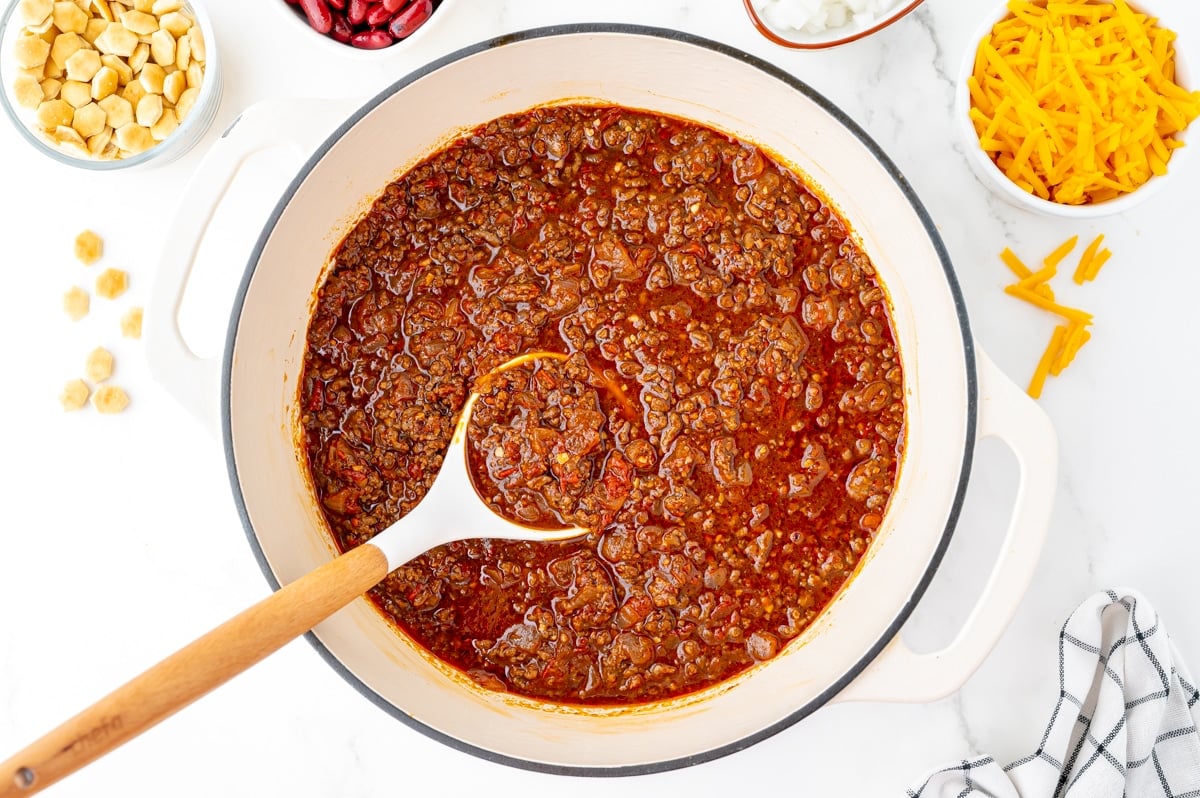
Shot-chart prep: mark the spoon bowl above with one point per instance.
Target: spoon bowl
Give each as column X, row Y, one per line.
column 446, row 513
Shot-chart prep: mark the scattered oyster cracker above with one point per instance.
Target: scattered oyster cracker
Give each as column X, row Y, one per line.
column 131, row 323
column 110, row 284
column 110, row 399
column 89, row 247
column 99, row 365
column 76, row 303
column 74, row 395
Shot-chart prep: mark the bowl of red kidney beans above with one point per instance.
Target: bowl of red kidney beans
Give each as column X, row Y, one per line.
column 364, row 24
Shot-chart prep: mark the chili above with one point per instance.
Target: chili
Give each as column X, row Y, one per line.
column 727, row 418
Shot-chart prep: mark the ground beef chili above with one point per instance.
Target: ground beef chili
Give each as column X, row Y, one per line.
column 727, row 422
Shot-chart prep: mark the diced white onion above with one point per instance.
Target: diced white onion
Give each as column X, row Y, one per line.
column 818, row 16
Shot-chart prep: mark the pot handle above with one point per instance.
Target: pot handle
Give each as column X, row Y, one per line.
column 300, row 125
column 899, row 673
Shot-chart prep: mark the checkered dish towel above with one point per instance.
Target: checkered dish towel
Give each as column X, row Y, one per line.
column 1123, row 723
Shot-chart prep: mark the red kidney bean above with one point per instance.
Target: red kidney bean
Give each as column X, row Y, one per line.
column 371, row 40
column 356, row 11
column 366, row 24
column 378, row 15
column 341, row 29
column 318, row 15
column 412, row 17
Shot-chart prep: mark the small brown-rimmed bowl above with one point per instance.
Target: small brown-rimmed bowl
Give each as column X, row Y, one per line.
column 832, row 37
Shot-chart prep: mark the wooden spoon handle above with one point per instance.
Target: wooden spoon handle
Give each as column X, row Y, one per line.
column 193, row 671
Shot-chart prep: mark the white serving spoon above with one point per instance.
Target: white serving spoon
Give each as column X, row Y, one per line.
column 451, row 510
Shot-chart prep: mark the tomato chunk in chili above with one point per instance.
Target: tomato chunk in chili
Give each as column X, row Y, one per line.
column 727, row 417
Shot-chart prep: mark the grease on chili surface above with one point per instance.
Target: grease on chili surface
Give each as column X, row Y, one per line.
column 728, row 420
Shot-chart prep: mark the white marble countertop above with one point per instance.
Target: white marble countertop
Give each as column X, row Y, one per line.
column 121, row 542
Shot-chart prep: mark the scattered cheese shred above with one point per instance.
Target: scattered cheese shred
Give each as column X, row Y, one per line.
column 1077, row 335
column 1048, row 358
column 1033, row 287
column 1029, row 280
column 1085, row 263
column 1076, row 100
column 1056, row 257
column 1014, row 264
column 1034, row 298
column 1094, row 269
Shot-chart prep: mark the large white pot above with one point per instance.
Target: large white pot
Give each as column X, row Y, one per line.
column 955, row 395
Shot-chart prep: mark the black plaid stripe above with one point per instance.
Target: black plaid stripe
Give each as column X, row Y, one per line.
column 1142, row 637
column 1091, row 747
column 1065, row 773
column 1162, row 738
column 1099, row 750
column 963, row 769
column 1162, row 776
column 1036, row 755
column 1075, row 641
column 1146, row 698
column 1194, row 694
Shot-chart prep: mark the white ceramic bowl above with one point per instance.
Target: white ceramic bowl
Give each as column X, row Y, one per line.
column 833, row 37
column 954, row 395
column 294, row 20
column 997, row 181
column 183, row 139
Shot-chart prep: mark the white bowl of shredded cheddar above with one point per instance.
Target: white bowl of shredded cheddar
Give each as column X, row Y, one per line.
column 1076, row 108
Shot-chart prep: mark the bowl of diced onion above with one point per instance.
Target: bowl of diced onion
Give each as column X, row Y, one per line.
column 109, row 84
column 822, row 24
column 1104, row 139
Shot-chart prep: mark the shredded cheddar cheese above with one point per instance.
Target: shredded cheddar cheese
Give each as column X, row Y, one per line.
column 1056, row 257
column 1034, row 298
column 1023, row 273
column 1089, row 265
column 1076, row 100
column 1033, row 287
column 1094, row 269
column 1044, row 365
column 1014, row 264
